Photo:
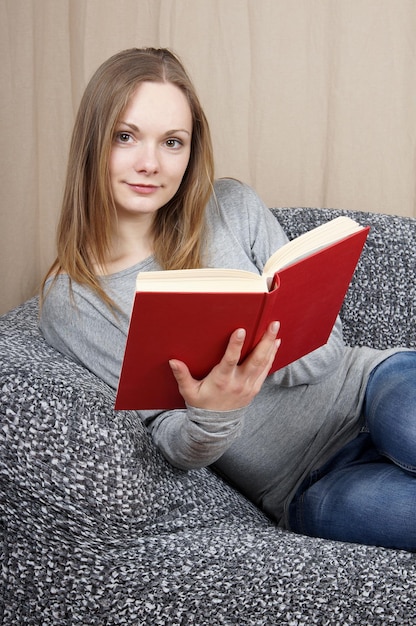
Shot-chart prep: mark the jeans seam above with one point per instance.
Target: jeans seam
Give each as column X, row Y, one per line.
column 403, row 466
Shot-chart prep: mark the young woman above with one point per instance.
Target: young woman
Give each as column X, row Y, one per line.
column 327, row 445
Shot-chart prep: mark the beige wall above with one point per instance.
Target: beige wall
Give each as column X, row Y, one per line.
column 313, row 102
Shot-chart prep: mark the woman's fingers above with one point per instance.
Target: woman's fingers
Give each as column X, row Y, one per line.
column 201, row 393
column 259, row 356
column 256, row 366
column 263, row 354
column 232, row 353
column 229, row 385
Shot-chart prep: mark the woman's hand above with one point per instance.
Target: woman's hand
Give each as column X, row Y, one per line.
column 230, row 386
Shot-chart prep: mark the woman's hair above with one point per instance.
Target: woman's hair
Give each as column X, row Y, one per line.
column 88, row 213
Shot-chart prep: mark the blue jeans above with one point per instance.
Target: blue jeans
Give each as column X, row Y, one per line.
column 366, row 493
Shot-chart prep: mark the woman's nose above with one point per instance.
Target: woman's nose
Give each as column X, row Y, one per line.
column 147, row 159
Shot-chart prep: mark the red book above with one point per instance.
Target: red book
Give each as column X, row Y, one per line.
column 190, row 314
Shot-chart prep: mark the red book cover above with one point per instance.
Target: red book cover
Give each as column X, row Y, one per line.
column 195, row 327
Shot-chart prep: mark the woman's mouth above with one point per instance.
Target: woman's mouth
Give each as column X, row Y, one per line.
column 143, row 189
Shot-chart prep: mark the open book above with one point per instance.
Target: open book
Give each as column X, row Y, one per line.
column 190, row 314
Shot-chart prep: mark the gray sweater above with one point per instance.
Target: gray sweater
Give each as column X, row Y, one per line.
column 304, row 412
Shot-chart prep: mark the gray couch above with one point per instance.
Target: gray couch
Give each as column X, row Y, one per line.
column 98, row 529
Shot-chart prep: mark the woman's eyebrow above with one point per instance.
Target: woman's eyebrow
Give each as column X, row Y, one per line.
column 178, row 130
column 132, row 126
column 168, row 132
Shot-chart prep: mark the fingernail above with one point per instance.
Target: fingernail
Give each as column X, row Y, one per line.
column 241, row 333
column 275, row 327
column 173, row 365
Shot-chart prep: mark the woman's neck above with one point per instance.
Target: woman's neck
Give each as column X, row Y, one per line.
column 131, row 244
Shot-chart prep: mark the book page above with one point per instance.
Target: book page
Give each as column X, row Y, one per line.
column 202, row 280
column 310, row 242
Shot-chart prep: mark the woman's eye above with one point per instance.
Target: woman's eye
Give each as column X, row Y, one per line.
column 173, row 143
column 123, row 137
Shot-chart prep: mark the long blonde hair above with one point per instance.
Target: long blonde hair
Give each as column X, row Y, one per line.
column 88, row 210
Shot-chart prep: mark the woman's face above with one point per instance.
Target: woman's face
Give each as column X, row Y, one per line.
column 151, row 149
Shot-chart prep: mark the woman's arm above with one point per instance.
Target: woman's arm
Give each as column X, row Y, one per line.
column 216, row 405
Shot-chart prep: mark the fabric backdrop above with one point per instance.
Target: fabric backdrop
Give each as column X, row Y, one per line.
column 313, row 102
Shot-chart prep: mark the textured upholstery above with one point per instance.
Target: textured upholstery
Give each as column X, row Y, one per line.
column 98, row 529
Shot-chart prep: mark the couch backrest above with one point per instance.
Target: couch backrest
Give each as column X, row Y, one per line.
column 380, row 306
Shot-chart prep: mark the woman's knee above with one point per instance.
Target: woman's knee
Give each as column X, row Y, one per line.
column 390, row 409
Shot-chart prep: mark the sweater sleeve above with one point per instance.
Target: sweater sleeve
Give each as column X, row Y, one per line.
column 193, row 438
